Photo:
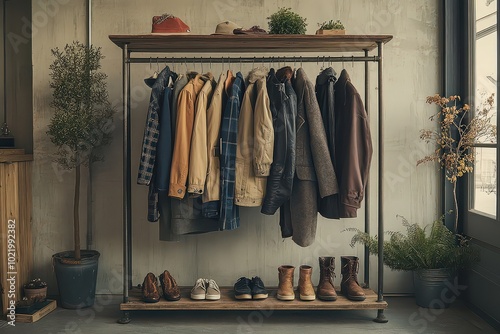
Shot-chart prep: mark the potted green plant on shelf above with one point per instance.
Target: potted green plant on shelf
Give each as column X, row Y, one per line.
column 286, row 22
column 331, row 28
column 432, row 253
column 81, row 123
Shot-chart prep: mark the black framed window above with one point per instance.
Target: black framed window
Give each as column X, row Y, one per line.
column 480, row 189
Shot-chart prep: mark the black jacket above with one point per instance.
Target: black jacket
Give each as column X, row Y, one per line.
column 325, row 93
column 283, row 103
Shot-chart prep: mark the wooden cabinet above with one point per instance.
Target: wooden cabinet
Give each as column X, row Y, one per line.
column 16, row 251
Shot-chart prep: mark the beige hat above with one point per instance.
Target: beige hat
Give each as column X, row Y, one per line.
column 226, row 28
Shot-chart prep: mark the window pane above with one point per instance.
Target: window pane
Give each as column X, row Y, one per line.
column 486, row 53
column 485, row 181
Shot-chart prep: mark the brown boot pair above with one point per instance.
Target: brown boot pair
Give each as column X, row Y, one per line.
column 151, row 293
column 285, row 288
column 326, row 288
column 349, row 285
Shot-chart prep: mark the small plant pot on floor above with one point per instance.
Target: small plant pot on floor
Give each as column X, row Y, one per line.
column 38, row 294
column 76, row 280
column 432, row 288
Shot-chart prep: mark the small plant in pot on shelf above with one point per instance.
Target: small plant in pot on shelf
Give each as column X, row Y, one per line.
column 432, row 253
column 81, row 124
column 331, row 28
column 35, row 290
column 286, row 22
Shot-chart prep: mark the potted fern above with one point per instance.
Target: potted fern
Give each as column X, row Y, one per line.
column 80, row 124
column 433, row 253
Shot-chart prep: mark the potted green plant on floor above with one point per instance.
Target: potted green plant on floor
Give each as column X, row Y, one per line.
column 286, row 22
column 432, row 253
column 36, row 289
column 81, row 123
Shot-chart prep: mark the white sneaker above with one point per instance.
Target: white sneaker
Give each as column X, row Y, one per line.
column 199, row 291
column 213, row 291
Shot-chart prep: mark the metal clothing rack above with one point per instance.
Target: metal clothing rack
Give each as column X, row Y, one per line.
column 234, row 44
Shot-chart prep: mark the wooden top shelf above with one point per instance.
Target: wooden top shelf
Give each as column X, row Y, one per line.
column 249, row 43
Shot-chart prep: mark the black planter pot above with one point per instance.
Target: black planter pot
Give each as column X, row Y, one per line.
column 432, row 288
column 76, row 280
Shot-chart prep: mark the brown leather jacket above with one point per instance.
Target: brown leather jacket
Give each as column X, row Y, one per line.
column 353, row 146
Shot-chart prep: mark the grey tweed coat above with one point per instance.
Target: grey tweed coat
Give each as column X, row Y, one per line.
column 314, row 173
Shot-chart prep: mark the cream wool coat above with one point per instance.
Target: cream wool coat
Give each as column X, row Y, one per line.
column 254, row 152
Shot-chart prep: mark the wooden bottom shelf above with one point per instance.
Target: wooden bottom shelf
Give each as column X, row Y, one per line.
column 228, row 302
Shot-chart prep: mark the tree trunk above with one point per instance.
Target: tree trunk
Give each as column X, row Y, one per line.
column 455, row 230
column 76, row 215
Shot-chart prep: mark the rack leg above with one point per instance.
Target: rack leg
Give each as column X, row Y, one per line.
column 125, row 319
column 381, row 319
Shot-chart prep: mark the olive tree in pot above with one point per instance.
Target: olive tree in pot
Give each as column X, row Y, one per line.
column 82, row 122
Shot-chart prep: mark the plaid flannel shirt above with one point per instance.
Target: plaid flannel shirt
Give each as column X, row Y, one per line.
column 150, row 140
column 152, row 130
column 229, row 215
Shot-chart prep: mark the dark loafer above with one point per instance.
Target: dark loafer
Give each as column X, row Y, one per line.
column 169, row 286
column 150, row 293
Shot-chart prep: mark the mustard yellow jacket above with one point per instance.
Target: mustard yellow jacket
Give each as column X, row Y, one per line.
column 183, row 133
column 254, row 152
column 198, row 160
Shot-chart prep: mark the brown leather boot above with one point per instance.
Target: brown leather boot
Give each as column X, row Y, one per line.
column 169, row 286
column 285, row 287
column 326, row 288
column 306, row 288
column 349, row 285
column 150, row 293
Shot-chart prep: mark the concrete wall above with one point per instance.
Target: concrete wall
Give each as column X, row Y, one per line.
column 412, row 71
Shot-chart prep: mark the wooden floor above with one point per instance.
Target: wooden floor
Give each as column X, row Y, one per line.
column 228, row 302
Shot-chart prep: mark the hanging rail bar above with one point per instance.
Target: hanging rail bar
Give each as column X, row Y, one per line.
column 255, row 60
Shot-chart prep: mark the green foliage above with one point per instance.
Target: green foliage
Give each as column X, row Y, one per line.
column 421, row 248
column 331, row 25
column 83, row 116
column 284, row 21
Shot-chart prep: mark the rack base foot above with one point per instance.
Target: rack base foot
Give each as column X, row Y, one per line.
column 125, row 319
column 381, row 319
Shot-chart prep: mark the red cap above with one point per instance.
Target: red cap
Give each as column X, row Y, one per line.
column 169, row 24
